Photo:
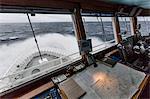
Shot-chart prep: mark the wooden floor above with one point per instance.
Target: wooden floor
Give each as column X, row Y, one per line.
column 104, row 82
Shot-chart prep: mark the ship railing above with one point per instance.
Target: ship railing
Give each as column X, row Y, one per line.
column 27, row 58
column 26, row 75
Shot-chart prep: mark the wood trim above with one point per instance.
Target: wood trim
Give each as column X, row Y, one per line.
column 36, row 91
column 69, row 4
column 39, row 3
column 142, row 87
column 133, row 24
column 145, row 12
column 116, row 28
column 94, row 5
column 63, row 94
column 78, row 24
column 79, row 29
column 111, row 52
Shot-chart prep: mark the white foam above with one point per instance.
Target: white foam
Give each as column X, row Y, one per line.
column 16, row 52
column 43, row 60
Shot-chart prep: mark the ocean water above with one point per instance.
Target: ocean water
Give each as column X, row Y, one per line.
column 16, row 39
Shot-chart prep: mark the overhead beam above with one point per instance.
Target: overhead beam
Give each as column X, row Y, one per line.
column 85, row 5
column 39, row 3
column 100, row 8
column 63, row 4
column 145, row 12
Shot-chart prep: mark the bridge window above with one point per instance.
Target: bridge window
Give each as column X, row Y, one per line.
column 54, row 33
column 125, row 27
column 145, row 25
column 100, row 30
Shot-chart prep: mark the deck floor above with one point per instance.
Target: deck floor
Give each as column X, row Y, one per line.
column 103, row 82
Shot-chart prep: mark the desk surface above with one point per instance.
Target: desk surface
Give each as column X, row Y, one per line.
column 104, row 82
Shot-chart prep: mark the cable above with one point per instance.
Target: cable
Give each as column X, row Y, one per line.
column 125, row 25
column 103, row 30
column 86, row 27
column 34, row 36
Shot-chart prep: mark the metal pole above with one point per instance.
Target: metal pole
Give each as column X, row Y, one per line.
column 34, row 36
column 126, row 24
column 103, row 29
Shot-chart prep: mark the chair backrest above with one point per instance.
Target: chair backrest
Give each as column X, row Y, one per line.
column 127, row 49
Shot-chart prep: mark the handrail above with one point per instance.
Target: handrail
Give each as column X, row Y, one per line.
column 31, row 56
column 10, row 84
column 40, row 65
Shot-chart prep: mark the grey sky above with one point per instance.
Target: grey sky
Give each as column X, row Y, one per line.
column 13, row 18
column 19, row 18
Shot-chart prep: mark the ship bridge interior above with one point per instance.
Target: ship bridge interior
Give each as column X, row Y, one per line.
column 115, row 69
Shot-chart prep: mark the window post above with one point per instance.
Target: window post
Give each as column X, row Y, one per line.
column 133, row 23
column 116, row 29
column 79, row 29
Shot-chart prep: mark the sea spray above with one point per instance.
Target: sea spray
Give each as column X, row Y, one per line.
column 15, row 52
